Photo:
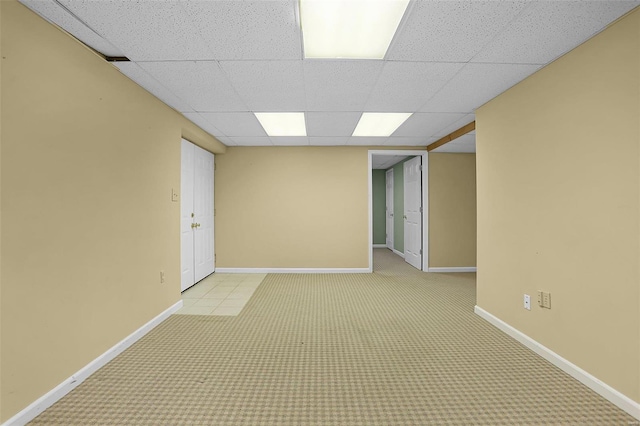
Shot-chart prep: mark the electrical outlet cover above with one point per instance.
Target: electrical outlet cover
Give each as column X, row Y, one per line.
column 527, row 302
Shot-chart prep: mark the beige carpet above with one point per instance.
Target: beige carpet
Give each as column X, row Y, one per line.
column 397, row 347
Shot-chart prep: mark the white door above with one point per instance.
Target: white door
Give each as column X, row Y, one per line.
column 413, row 212
column 196, row 214
column 203, row 214
column 187, row 176
column 389, row 210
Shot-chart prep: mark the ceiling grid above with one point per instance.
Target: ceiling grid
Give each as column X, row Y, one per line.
column 219, row 62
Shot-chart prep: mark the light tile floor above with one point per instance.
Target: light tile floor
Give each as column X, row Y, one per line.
column 220, row 294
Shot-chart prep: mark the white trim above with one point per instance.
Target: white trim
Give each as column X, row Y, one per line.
column 213, row 219
column 55, row 394
column 379, row 246
column 425, row 211
column 425, row 201
column 399, row 253
column 293, row 270
column 370, row 208
column 623, row 402
column 439, row 269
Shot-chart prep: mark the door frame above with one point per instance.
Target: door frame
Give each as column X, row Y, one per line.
column 389, row 176
column 425, row 200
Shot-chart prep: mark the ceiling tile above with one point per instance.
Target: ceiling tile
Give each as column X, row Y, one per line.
column 52, row 12
column 233, row 124
column 406, row 86
column 466, row 119
column 150, row 84
column 475, row 85
column 203, row 123
column 328, row 141
column 451, row 31
column 337, row 85
column 404, row 141
column 331, row 123
column 465, row 143
column 426, row 124
column 143, row 30
column 548, row 29
column 268, row 85
column 248, row 29
column 290, row 140
column 373, row 140
column 202, row 84
column 252, row 141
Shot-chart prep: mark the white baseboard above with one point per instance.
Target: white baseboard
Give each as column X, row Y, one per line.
column 379, row 246
column 398, row 253
column 293, row 270
column 51, row 397
column 438, row 269
column 623, row 402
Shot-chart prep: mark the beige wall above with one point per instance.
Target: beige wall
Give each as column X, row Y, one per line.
column 0, row 210
column 292, row 207
column 452, row 210
column 88, row 163
column 306, row 207
column 558, row 185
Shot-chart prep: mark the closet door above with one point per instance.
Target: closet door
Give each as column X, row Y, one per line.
column 187, row 175
column 196, row 215
column 203, row 214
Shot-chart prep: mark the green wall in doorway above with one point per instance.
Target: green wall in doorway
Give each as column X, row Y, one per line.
column 379, row 206
column 379, row 195
column 398, row 205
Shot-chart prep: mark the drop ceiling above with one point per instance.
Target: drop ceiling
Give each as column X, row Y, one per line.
column 218, row 62
column 384, row 162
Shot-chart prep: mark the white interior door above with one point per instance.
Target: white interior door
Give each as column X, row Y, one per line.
column 196, row 215
column 389, row 208
column 187, row 176
column 413, row 212
column 203, row 214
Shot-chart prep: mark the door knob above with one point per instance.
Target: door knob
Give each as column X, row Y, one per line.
column 404, row 216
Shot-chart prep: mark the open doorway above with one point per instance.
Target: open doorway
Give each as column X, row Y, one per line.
column 408, row 221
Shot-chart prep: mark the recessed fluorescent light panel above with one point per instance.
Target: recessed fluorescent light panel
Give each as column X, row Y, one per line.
column 282, row 123
column 358, row 29
column 380, row 123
